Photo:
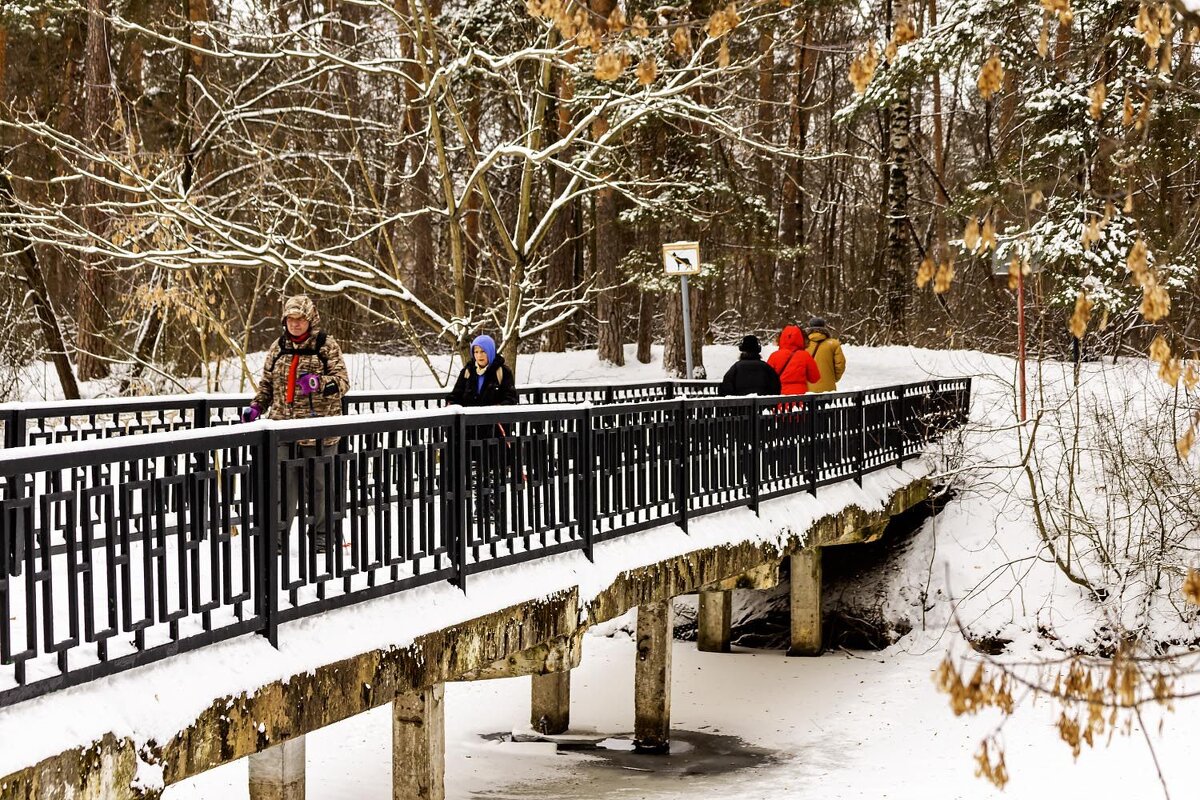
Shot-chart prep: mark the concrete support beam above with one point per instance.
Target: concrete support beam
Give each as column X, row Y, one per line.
column 278, row 773
column 419, row 745
column 550, row 703
column 806, row 602
column 652, row 679
column 712, row 621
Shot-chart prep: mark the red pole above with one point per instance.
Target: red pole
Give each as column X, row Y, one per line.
column 1021, row 336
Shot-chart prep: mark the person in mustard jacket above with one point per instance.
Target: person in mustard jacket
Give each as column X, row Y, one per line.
column 827, row 353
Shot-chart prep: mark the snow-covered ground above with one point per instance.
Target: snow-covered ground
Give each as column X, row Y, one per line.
column 867, row 725
column 872, row 724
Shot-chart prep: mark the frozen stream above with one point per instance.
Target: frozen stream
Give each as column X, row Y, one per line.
column 753, row 724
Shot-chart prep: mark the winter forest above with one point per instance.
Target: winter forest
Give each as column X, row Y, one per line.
column 435, row 169
column 912, row 171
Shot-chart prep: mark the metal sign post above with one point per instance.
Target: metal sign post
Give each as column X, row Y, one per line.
column 683, row 259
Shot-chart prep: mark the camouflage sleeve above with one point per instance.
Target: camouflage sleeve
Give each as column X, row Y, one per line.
column 336, row 378
column 266, row 385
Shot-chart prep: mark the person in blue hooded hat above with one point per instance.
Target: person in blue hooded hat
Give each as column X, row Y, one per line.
column 487, row 381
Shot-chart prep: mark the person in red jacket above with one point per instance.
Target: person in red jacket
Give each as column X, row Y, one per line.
column 795, row 366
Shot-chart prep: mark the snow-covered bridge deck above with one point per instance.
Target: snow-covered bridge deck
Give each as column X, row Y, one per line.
column 124, row 551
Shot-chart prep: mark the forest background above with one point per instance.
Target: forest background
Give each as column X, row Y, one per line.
column 432, row 169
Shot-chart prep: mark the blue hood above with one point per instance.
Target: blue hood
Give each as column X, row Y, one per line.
column 487, row 345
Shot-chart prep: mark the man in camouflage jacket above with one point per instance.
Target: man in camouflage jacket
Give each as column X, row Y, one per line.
column 304, row 375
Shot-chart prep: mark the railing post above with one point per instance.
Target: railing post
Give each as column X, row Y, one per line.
column 460, row 519
column 860, row 439
column 752, row 467
column 587, row 513
column 202, row 411
column 14, row 429
column 268, row 545
column 901, row 423
column 811, row 426
column 682, row 464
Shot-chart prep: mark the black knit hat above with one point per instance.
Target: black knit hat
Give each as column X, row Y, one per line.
column 750, row 345
column 817, row 322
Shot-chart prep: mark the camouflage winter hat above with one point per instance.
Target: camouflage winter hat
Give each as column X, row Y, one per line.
column 299, row 305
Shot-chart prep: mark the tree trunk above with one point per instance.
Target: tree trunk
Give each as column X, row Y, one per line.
column 19, row 244
column 560, row 274
column 896, row 261
column 610, row 339
column 91, row 310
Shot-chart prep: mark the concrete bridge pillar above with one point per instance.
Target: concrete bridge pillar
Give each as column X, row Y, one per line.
column 652, row 679
column 806, row 602
column 550, row 706
column 278, row 773
column 713, row 620
column 419, row 745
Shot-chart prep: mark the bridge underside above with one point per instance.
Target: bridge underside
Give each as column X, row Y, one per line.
column 539, row 636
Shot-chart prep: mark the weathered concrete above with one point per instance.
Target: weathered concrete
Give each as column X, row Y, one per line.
column 550, row 702
column 419, row 745
column 235, row 727
column 277, row 773
column 559, row 654
column 652, row 679
column 805, row 603
column 712, row 621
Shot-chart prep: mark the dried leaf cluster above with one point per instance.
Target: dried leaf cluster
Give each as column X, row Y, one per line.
column 1156, row 301
column 722, row 21
column 991, row 77
column 902, row 34
column 862, row 69
column 1081, row 315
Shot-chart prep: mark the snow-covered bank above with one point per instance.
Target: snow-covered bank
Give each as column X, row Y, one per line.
column 865, row 366
column 844, row 726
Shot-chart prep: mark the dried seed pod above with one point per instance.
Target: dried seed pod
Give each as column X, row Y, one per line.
column 608, row 66
column 991, row 77
column 925, row 272
column 971, row 235
column 639, row 29
column 1081, row 315
column 862, row 69
column 1097, row 94
column 647, row 70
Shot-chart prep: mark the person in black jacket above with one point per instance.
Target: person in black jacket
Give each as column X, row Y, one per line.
column 487, row 381
column 750, row 374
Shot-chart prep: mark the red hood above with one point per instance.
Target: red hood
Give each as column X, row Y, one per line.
column 791, row 338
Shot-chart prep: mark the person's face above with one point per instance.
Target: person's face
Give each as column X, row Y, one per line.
column 481, row 359
column 297, row 326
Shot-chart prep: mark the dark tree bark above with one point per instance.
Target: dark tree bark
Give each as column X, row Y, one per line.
column 91, row 309
column 21, row 246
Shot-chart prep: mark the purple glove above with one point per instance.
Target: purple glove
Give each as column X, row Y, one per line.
column 308, row 383
column 251, row 413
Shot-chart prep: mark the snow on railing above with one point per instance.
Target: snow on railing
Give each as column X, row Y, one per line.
column 125, row 550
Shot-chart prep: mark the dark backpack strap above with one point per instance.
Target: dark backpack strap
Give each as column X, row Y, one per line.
column 783, row 369
column 306, row 351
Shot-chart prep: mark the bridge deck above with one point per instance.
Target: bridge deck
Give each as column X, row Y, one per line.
column 222, row 702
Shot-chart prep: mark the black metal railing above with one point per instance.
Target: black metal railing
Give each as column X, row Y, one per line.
column 88, row 420
column 124, row 550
